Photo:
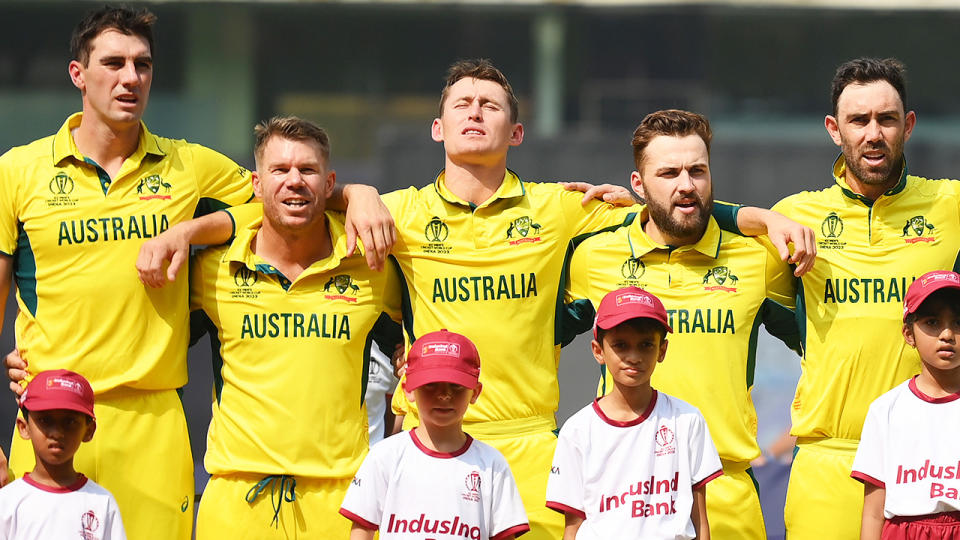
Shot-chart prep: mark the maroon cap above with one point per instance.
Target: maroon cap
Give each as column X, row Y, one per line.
column 58, row 389
column 927, row 284
column 629, row 303
column 443, row 357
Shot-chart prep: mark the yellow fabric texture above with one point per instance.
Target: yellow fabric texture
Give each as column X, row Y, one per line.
column 867, row 256
column 713, row 291
column 313, row 514
column 822, row 500
column 86, row 310
column 141, row 454
column 293, row 357
column 733, row 507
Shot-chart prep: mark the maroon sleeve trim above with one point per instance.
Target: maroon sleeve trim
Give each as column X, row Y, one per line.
column 703, row 482
column 358, row 520
column 564, row 509
column 867, row 479
column 516, row 530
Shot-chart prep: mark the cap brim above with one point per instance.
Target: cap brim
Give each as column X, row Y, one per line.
column 37, row 405
column 608, row 322
column 427, row 376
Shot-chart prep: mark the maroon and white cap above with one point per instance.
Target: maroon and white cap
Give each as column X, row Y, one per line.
column 58, row 389
column 927, row 284
column 629, row 303
column 443, row 357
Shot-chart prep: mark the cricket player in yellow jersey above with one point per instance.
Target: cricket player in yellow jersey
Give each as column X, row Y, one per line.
column 481, row 253
column 718, row 288
column 74, row 209
column 293, row 318
column 878, row 228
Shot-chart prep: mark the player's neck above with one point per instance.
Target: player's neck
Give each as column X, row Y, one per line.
column 108, row 146
column 445, row 439
column 869, row 191
column 55, row 475
column 474, row 182
column 626, row 403
column 292, row 252
column 938, row 383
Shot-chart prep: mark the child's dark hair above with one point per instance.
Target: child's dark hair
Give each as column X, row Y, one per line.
column 942, row 297
column 640, row 324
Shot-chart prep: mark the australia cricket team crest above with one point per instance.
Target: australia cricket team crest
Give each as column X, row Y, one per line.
column 153, row 187
column 61, row 187
column 720, row 278
column 245, row 279
column 520, row 231
column 343, row 287
column 918, row 229
column 830, row 229
column 436, row 232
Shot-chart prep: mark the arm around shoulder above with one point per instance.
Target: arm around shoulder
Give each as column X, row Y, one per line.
column 782, row 232
column 160, row 258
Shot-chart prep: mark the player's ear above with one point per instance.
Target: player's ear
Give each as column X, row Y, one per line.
column 637, row 184
column 91, row 429
column 75, row 69
column 436, row 130
column 476, row 392
column 833, row 128
column 597, row 349
column 329, row 183
column 909, row 121
column 516, row 136
column 255, row 179
column 908, row 335
column 663, row 348
column 22, row 429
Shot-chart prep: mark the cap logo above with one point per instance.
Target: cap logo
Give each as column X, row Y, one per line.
column 634, row 298
column 944, row 276
column 65, row 384
column 446, row 349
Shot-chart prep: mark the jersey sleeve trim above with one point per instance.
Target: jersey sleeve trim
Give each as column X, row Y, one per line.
column 708, row 479
column 516, row 530
column 564, row 509
column 867, row 479
column 358, row 520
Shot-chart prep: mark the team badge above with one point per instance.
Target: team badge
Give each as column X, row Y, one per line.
column 831, row 228
column 245, row 278
column 633, row 268
column 523, row 226
column 89, row 523
column 436, row 232
column 150, row 188
column 61, row 186
column 720, row 275
column 342, row 284
column 472, row 483
column 918, row 225
column 665, row 440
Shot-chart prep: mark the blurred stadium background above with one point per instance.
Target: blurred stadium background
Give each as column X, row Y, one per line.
column 586, row 73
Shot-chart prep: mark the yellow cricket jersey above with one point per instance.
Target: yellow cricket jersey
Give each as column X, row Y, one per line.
column 717, row 293
column 291, row 358
column 74, row 234
column 851, row 304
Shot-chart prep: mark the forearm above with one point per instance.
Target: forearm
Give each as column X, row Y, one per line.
column 212, row 229
column 359, row 533
column 752, row 221
column 873, row 501
column 571, row 525
column 342, row 194
column 698, row 514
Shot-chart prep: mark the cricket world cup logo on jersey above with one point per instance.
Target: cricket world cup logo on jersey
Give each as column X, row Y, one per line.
column 61, row 186
column 88, row 525
column 342, row 284
column 472, row 482
column 633, row 268
column 522, row 227
column 436, row 232
column 831, row 228
column 720, row 275
column 150, row 186
column 245, row 278
column 915, row 229
column 665, row 440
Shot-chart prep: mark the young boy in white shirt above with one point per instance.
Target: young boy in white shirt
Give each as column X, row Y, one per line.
column 54, row 500
column 635, row 463
column 436, row 481
column 909, row 453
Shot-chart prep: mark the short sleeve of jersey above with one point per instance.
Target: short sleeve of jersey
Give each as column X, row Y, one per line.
column 222, row 182
column 704, row 460
column 565, row 488
column 115, row 529
column 508, row 514
column 9, row 203
column 781, row 284
column 868, row 465
column 594, row 215
column 363, row 503
column 578, row 282
column 245, row 214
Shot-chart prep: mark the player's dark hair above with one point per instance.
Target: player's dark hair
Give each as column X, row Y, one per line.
column 292, row 128
column 670, row 122
column 484, row 70
column 868, row 70
column 126, row 20
column 640, row 324
column 933, row 303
